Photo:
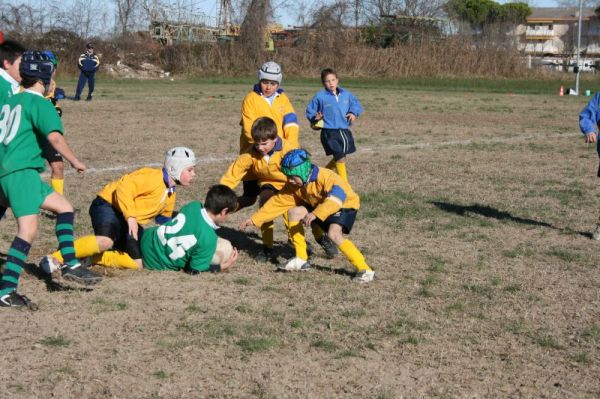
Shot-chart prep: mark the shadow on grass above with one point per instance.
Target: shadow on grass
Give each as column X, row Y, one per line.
column 493, row 213
column 51, row 284
column 251, row 243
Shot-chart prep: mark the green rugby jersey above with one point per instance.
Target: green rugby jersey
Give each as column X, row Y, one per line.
column 26, row 120
column 188, row 241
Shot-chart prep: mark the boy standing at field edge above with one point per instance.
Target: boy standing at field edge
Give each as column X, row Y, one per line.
column 314, row 195
column 123, row 205
column 333, row 110
column 26, row 119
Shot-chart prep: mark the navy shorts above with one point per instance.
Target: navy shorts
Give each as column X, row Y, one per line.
column 345, row 217
column 251, row 188
column 109, row 222
column 337, row 142
column 50, row 153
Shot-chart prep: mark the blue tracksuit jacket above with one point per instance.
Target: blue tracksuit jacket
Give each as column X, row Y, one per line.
column 334, row 108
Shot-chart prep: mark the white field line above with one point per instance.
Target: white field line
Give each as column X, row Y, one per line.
column 229, row 158
column 468, row 142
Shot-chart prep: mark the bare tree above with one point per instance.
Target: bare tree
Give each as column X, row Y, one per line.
column 252, row 31
column 125, row 11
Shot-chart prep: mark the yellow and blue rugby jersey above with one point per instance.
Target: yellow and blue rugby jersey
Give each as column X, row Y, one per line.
column 252, row 165
column 142, row 194
column 255, row 105
column 325, row 191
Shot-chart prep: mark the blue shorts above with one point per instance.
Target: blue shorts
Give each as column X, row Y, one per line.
column 345, row 217
column 109, row 222
column 337, row 142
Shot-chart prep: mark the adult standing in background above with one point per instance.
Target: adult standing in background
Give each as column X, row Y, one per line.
column 88, row 63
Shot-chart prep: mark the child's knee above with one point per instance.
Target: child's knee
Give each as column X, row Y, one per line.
column 104, row 243
column 297, row 213
column 335, row 234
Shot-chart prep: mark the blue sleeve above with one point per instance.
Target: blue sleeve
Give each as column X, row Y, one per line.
column 355, row 106
column 312, row 108
column 337, row 191
column 588, row 118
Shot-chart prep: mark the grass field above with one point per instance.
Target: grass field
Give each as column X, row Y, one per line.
column 476, row 211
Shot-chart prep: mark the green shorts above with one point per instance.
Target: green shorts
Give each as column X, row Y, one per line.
column 25, row 191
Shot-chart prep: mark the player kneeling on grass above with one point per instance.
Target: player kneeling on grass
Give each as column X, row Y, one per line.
column 314, row 195
column 188, row 242
column 26, row 119
column 135, row 199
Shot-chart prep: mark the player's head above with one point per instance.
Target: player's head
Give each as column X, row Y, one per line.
column 10, row 58
column 269, row 78
column 329, row 79
column 220, row 201
column 52, row 57
column 35, row 67
column 179, row 164
column 264, row 134
column 89, row 47
column 296, row 164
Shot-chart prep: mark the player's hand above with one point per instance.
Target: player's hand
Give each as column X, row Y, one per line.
column 229, row 262
column 80, row 166
column 246, row 223
column 308, row 219
column 319, row 116
column 591, row 138
column 133, row 227
column 350, row 117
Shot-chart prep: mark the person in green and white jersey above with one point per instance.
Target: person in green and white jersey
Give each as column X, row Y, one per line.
column 26, row 120
column 189, row 241
column 10, row 59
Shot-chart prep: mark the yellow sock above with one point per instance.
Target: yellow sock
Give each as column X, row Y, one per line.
column 317, row 231
column 84, row 246
column 297, row 234
column 340, row 167
column 58, row 185
column 116, row 259
column 267, row 234
column 331, row 164
column 354, row 255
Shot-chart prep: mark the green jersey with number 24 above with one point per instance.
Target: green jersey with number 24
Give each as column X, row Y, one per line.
column 188, row 241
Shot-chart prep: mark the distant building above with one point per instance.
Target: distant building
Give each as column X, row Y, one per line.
column 553, row 32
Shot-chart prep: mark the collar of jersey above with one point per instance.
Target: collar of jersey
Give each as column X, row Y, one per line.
column 33, row 92
column 166, row 181
column 313, row 174
column 207, row 219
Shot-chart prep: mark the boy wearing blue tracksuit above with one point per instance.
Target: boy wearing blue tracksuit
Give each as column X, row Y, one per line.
column 589, row 120
column 88, row 63
column 333, row 110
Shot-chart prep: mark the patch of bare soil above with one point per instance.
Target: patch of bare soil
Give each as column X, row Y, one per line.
column 475, row 213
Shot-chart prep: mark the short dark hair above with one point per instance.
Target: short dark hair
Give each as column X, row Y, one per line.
column 10, row 51
column 28, row 81
column 263, row 128
column 220, row 197
column 327, row 71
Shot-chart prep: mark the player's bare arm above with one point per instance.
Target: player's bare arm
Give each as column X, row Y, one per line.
column 60, row 144
column 231, row 260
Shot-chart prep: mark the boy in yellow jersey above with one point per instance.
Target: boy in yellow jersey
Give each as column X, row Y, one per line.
column 268, row 99
column 133, row 200
column 314, row 195
column 261, row 165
